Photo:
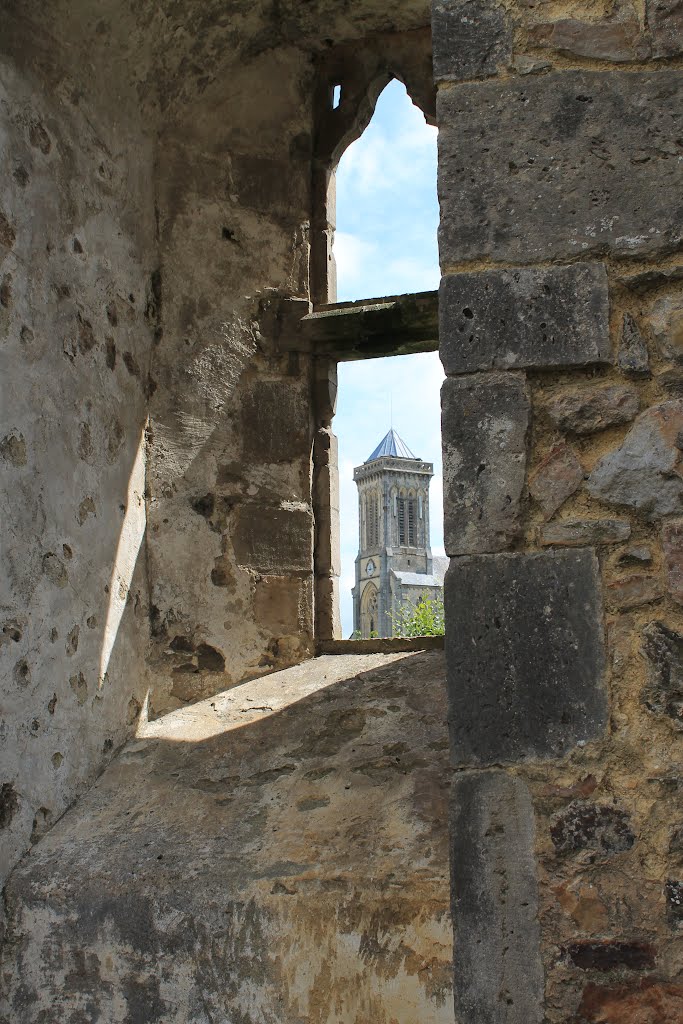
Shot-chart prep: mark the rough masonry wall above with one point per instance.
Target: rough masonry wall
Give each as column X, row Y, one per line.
column 231, row 524
column 561, row 169
column 243, row 491
column 76, row 236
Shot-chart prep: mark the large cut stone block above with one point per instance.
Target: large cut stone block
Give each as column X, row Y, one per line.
column 498, row 972
column 525, row 655
column 535, row 168
column 665, row 21
column 274, row 540
column 618, row 41
column 470, row 38
column 484, row 422
column 275, row 421
column 556, row 316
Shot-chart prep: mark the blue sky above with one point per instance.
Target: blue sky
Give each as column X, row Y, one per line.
column 385, row 244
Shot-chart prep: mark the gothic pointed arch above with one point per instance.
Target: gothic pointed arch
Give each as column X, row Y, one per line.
column 369, row 611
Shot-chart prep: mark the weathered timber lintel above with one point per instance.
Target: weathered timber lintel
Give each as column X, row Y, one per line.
column 396, row 325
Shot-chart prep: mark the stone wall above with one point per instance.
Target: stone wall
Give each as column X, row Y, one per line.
column 561, row 317
column 76, row 263
column 231, row 522
column 160, row 478
column 159, row 180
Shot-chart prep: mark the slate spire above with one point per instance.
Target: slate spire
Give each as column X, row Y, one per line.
column 391, row 445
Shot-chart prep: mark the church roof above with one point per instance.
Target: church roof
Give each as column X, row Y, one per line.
column 391, row 445
column 417, row 579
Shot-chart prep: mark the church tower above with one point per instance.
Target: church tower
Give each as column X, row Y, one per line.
column 393, row 522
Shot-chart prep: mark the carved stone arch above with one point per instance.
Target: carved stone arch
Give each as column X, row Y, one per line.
column 361, row 70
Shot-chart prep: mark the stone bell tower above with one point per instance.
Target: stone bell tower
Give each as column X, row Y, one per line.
column 394, row 553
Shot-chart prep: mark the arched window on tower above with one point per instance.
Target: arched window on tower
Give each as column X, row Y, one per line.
column 407, row 521
column 371, row 521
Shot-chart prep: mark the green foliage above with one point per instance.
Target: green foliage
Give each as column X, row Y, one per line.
column 425, row 618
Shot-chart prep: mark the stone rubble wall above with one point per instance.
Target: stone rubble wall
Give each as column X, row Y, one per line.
column 560, row 181
column 243, row 502
column 230, row 542
column 76, row 301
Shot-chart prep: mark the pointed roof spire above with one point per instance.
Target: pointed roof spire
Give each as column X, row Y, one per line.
column 391, row 445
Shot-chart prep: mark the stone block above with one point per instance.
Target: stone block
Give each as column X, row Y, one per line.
column 525, row 655
column 557, row 477
column 325, row 448
column 667, row 326
column 470, row 39
column 665, row 21
column 326, row 488
column 592, row 407
column 632, row 356
column 325, row 385
column 275, row 422
column 610, row 955
column 634, row 591
column 637, row 554
column 641, row 1001
column 484, row 421
column 274, row 540
column 615, row 41
column 671, row 380
column 663, row 694
column 645, row 472
column 672, row 546
column 601, row 829
column 276, row 603
column 507, row 319
column 327, row 619
column 327, row 542
column 533, row 168
column 586, row 532
column 498, row 973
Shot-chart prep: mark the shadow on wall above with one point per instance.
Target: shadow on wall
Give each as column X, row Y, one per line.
column 77, row 313
column 279, row 850
column 76, row 680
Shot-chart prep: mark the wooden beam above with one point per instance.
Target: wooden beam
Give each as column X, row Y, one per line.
column 396, row 325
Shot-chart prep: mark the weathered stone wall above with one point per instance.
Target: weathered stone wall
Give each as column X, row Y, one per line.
column 231, row 520
column 154, row 211
column 560, row 181
column 277, row 853
column 76, row 260
column 156, row 196
column 243, row 490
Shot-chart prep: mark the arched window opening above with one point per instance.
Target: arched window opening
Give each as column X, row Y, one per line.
column 372, row 523
column 385, row 245
column 385, row 196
